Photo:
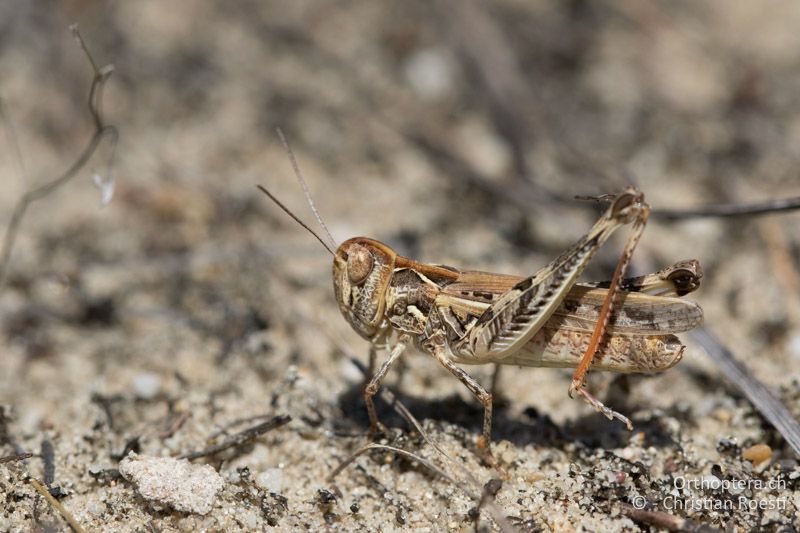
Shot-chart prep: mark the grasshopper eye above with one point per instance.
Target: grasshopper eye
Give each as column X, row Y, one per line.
column 623, row 201
column 627, row 205
column 359, row 264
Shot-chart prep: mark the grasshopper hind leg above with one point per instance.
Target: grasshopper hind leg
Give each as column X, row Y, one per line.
column 640, row 215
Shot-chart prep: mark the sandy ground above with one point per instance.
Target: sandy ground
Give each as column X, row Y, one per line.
column 190, row 308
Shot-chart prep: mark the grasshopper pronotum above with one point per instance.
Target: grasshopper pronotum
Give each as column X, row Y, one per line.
column 544, row 320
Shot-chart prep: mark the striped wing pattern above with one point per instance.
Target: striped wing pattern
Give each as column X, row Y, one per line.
column 529, row 304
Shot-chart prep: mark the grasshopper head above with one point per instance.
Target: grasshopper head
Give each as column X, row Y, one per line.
column 362, row 270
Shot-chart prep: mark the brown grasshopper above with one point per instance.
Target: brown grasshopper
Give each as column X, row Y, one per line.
column 544, row 320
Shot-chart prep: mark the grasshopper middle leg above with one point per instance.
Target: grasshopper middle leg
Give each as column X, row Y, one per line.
column 442, row 354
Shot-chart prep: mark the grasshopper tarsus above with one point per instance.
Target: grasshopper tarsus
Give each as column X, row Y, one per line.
column 485, row 453
column 379, row 431
column 575, row 385
column 601, row 408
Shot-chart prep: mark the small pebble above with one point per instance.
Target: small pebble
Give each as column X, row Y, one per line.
column 146, row 385
column 723, row 415
column 507, row 456
column 534, row 476
column 430, row 73
column 271, row 480
column 757, row 454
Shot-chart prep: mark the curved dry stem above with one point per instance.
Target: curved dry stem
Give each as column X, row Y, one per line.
column 374, row 446
column 731, row 210
column 57, row 505
column 102, row 130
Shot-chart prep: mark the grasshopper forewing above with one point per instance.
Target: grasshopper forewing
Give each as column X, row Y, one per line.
column 544, row 320
column 640, row 335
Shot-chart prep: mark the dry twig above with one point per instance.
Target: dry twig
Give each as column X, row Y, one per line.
column 730, row 210
column 662, row 520
column 15, row 457
column 224, row 429
column 239, row 438
column 101, row 131
column 399, row 451
column 175, row 425
column 57, row 505
column 489, row 56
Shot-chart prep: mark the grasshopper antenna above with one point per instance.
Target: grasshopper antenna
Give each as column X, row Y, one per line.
column 600, row 198
column 299, row 176
column 296, row 219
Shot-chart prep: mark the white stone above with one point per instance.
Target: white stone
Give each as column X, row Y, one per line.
column 176, row 483
column 430, row 73
column 146, row 385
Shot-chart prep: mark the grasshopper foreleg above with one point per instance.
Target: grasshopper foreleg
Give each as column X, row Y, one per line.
column 375, row 382
column 373, row 357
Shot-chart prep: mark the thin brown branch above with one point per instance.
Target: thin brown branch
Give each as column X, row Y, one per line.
column 57, row 505
column 175, row 425
column 238, row 421
column 16, row 457
column 240, row 438
column 730, row 210
column 399, row 451
column 664, row 520
column 102, row 130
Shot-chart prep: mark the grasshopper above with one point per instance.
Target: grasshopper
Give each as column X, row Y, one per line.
column 463, row 317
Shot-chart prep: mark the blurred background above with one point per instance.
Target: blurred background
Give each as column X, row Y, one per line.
column 457, row 133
